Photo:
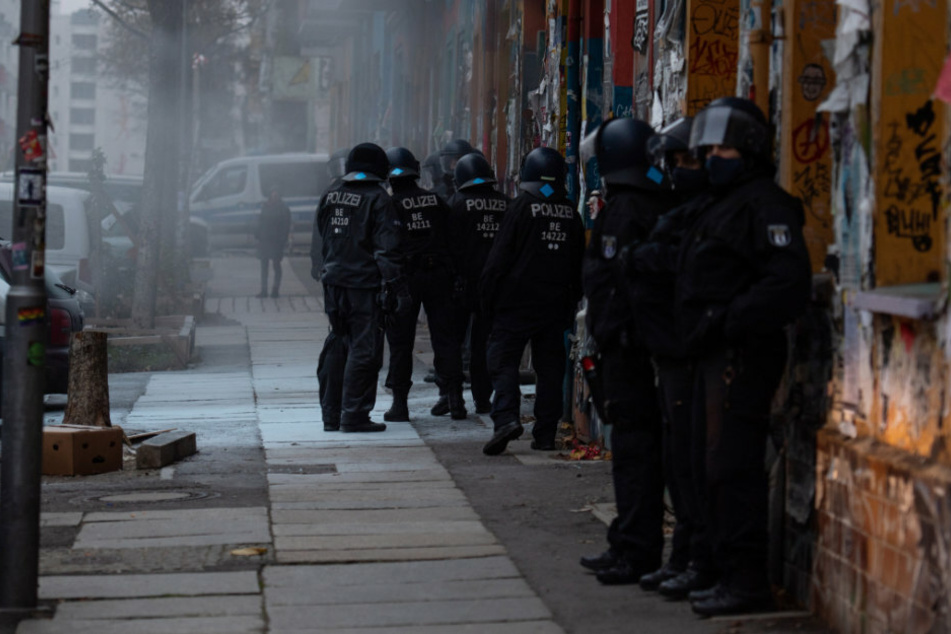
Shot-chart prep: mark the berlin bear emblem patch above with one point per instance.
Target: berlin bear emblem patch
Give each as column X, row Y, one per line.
column 608, row 247
column 779, row 235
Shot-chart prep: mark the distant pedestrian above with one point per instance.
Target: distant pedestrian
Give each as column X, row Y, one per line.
column 274, row 226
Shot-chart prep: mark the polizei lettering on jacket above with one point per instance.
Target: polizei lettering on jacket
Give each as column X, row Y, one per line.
column 549, row 210
column 483, row 204
column 419, row 202
column 347, row 199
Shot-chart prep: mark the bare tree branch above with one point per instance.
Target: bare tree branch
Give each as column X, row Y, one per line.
column 115, row 16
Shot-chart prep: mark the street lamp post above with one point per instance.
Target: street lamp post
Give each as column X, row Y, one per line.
column 26, row 325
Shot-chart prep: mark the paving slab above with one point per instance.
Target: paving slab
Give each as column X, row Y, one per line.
column 384, row 497
column 161, row 607
column 175, row 526
column 280, row 578
column 155, row 585
column 60, row 519
column 386, row 554
column 521, row 627
column 290, row 482
column 197, row 625
column 306, row 594
column 372, row 517
column 385, row 541
column 358, row 477
column 401, row 528
column 385, row 615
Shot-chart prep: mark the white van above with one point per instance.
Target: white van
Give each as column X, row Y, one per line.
column 67, row 234
column 229, row 196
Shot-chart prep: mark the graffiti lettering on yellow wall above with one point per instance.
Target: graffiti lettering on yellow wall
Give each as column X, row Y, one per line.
column 810, row 141
column 716, row 18
column 907, row 81
column 913, row 197
column 913, row 5
column 712, row 52
column 813, row 184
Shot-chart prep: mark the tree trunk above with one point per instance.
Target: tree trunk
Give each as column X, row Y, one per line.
column 88, row 402
column 161, row 153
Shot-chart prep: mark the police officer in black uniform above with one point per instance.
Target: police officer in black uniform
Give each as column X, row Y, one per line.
column 448, row 156
column 427, row 268
column 531, row 286
column 636, row 195
column 337, row 166
column 652, row 275
column 744, row 275
column 360, row 270
column 475, row 218
column 431, row 172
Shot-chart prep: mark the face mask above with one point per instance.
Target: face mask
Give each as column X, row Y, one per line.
column 688, row 181
column 723, row 171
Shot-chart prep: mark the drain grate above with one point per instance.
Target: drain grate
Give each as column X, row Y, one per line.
column 302, row 469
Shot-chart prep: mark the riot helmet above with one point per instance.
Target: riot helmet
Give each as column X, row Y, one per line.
column 452, row 152
column 473, row 170
column 403, row 163
column 621, row 149
column 431, row 171
column 337, row 164
column 367, row 162
column 675, row 137
column 732, row 122
column 543, row 173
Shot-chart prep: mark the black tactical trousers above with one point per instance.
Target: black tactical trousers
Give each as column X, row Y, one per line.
column 675, row 380
column 350, row 361
column 511, row 332
column 471, row 321
column 432, row 289
column 631, row 405
column 736, row 387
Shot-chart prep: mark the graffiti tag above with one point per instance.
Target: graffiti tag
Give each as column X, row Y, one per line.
column 810, row 143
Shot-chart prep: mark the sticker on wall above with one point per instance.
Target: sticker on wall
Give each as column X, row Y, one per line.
column 21, row 257
column 30, row 186
column 36, row 354
column 38, row 270
column 31, row 315
column 31, row 146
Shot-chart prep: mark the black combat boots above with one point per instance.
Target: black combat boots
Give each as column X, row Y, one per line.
column 399, row 410
column 457, row 404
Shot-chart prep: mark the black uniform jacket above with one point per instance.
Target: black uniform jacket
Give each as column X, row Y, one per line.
column 424, row 235
column 651, row 278
column 743, row 270
column 626, row 220
column 535, row 262
column 474, row 221
column 360, row 234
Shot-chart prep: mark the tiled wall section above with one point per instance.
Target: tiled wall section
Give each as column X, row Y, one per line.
column 883, row 557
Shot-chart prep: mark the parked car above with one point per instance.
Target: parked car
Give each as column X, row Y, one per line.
column 67, row 235
column 229, row 196
column 126, row 193
column 64, row 316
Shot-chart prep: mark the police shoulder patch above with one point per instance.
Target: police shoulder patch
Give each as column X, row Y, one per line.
column 608, row 247
column 779, row 235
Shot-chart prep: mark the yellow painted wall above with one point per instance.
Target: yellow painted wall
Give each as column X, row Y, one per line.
column 808, row 79
column 909, row 133
column 713, row 28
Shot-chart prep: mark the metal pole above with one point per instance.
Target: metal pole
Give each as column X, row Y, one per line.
column 26, row 325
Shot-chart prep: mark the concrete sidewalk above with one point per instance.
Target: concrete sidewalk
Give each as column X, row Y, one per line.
column 363, row 533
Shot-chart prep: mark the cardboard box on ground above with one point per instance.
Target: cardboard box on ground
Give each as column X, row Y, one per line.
column 81, row 450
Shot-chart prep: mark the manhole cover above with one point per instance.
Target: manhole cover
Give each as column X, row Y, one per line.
column 302, row 469
column 147, row 497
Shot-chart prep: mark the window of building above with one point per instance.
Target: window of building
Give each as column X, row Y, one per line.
column 81, row 142
column 82, row 90
column 78, row 165
column 82, row 116
column 84, row 65
column 84, row 40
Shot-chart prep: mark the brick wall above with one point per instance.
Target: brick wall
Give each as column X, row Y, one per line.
column 883, row 555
